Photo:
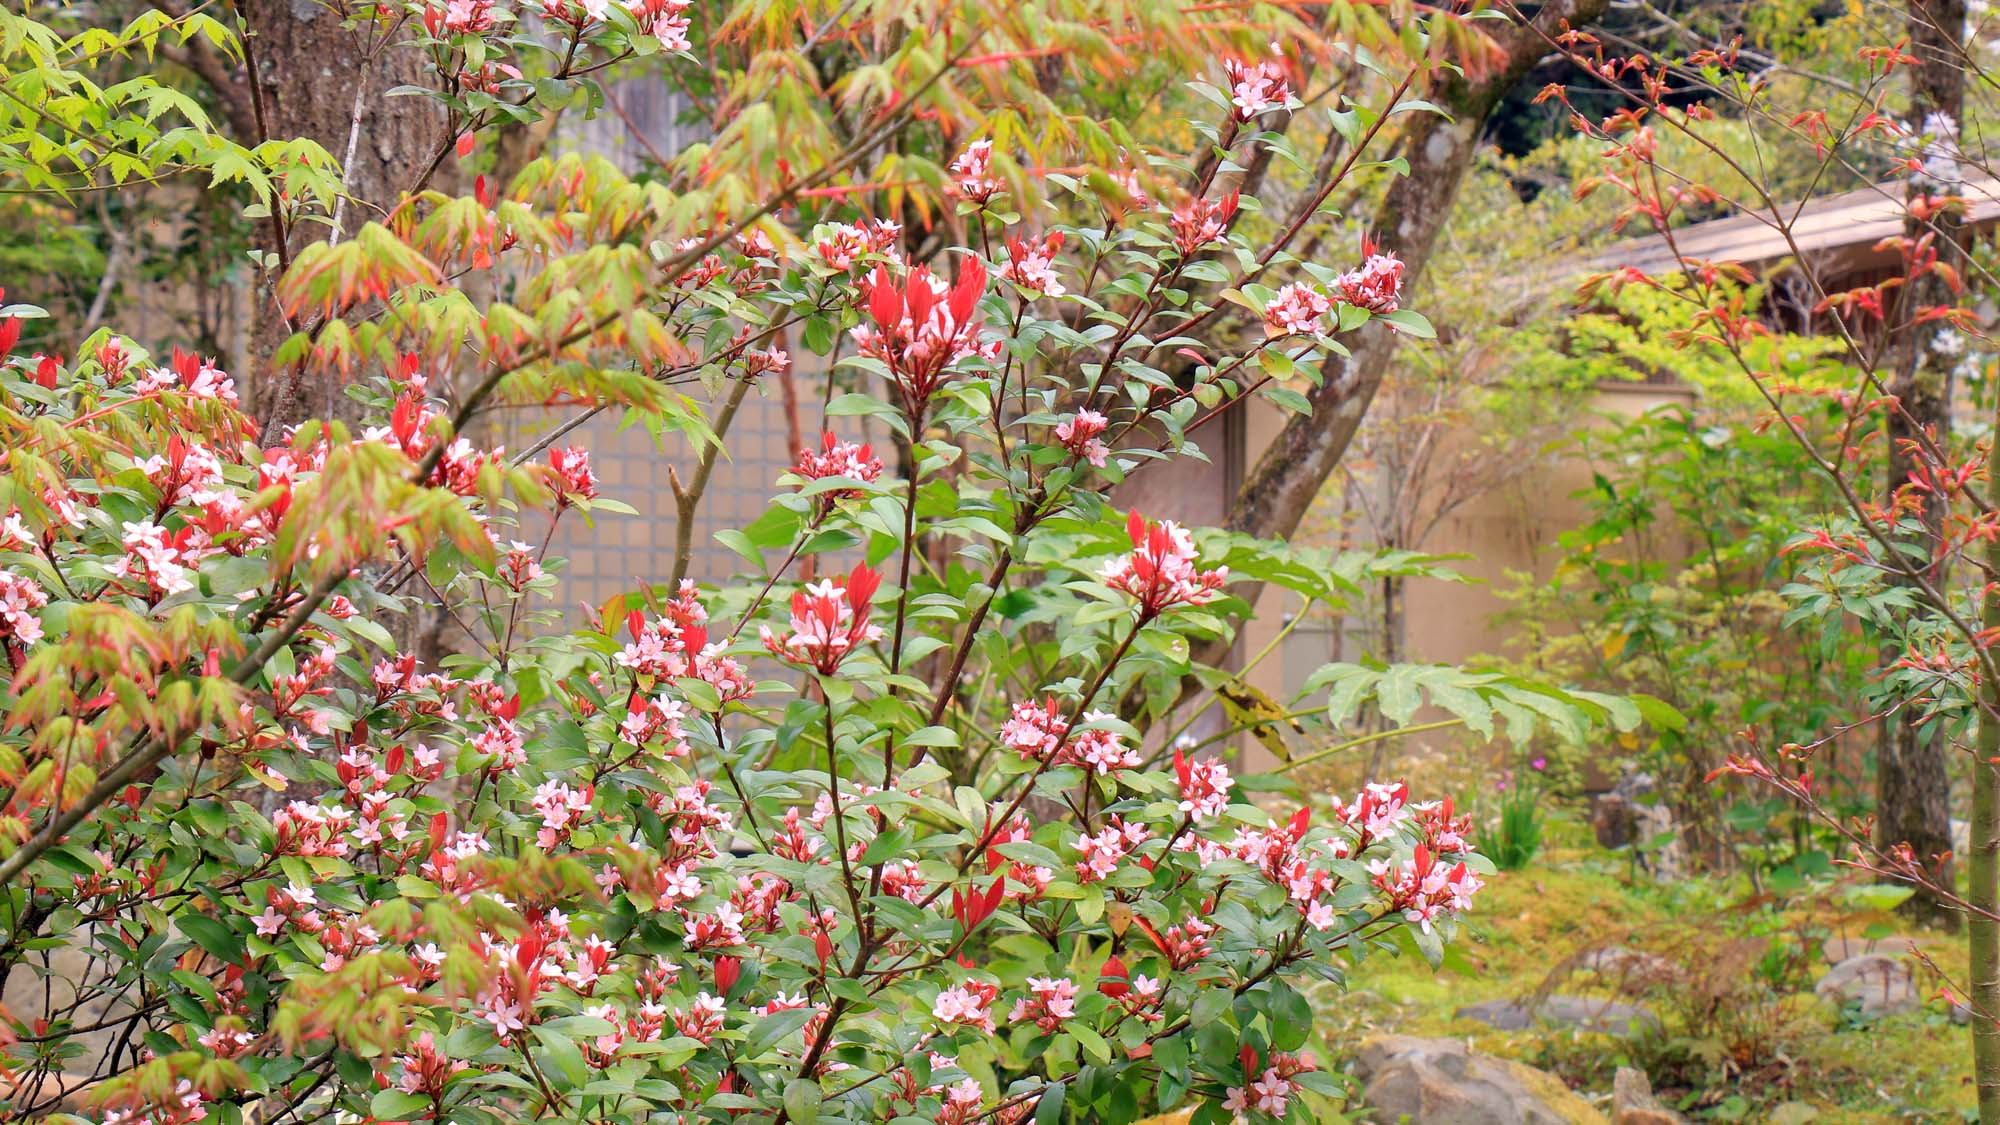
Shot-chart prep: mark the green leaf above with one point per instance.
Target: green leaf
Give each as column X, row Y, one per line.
column 395, row 1105
column 802, row 1098
column 218, row 940
column 1048, row 1110
column 1879, row 896
column 1409, row 323
column 1093, row 1044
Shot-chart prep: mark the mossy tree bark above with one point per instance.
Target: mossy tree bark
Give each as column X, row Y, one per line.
column 1912, row 784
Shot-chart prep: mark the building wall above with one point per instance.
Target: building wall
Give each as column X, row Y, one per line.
column 1508, row 529
column 618, row 553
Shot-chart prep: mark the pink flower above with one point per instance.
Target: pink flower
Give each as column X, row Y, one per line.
column 1100, row 751
column 20, row 597
column 1184, row 945
column 1078, row 434
column 574, row 480
column 920, row 329
column 1423, row 888
column 561, row 808
column 425, row 1068
column 1204, row 785
column 1375, row 286
column 968, row 1005
column 1031, row 264
column 1034, row 731
column 1050, row 1003
column 835, row 458
column 501, row 741
column 961, row 1103
column 502, row 1011
column 766, row 361
column 1256, row 89
column 1444, row 832
column 519, row 567
column 165, row 559
column 191, row 375
column 1103, row 851
column 972, row 174
column 1199, row 222
column 1377, row 812
column 702, row 1019
column 1160, row 571
column 1295, row 309
column 664, row 20
column 829, row 621
column 842, row 246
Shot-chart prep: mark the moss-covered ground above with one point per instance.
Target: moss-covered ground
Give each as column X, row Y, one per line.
column 1744, row 1039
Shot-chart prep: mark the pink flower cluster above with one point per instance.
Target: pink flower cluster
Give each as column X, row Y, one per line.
column 836, row 458
column 1050, row 1003
column 1204, row 785
column 1101, row 853
column 676, row 645
column 1296, row 308
column 1271, row 1092
column 1423, row 887
column 425, row 1069
column 972, row 174
column 1036, row 732
column 1377, row 285
column 843, row 244
column 164, row 560
column 1160, row 571
column 1078, row 434
column 1031, row 263
column 829, row 621
column 967, row 1005
column 921, row 328
column 20, row 597
column 574, row 479
column 664, row 20
column 1199, row 222
column 190, row 375
column 1256, row 89
column 1376, row 814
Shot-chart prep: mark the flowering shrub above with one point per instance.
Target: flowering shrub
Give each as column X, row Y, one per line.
column 918, row 845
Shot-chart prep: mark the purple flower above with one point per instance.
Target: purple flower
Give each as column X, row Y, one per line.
column 1540, row 764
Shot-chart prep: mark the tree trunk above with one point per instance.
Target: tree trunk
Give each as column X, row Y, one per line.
column 1983, row 867
column 314, row 78
column 1912, row 785
column 1414, row 210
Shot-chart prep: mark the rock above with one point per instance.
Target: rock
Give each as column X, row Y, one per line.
column 1443, row 1082
column 1631, row 968
column 1838, row 949
column 1621, row 819
column 1633, row 1103
column 1666, row 862
column 1585, row 1013
column 1612, row 822
column 1883, row 985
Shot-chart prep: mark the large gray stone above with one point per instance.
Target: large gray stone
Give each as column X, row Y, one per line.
column 1443, row 1082
column 1582, row 1012
column 1837, row 949
column 1881, row 984
column 1631, row 969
